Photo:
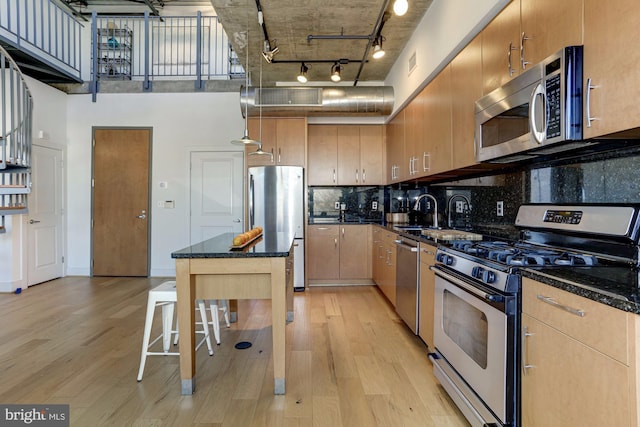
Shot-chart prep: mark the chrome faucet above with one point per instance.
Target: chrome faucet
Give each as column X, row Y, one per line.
column 435, row 207
column 451, row 199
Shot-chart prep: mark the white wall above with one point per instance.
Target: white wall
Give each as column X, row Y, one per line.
column 447, row 26
column 180, row 121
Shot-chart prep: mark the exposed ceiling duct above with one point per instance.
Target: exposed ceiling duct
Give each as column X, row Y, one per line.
column 317, row 101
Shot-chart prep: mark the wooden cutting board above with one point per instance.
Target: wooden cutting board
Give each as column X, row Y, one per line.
column 451, row 235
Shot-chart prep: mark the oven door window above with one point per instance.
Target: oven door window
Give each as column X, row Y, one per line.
column 467, row 326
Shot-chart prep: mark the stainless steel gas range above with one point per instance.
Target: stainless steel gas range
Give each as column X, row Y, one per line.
column 477, row 296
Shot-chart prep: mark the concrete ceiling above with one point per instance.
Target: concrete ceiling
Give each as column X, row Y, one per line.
column 349, row 24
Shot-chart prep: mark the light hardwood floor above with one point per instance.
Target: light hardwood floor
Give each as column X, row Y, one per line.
column 350, row 361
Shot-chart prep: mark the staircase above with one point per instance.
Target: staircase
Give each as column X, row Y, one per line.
column 15, row 139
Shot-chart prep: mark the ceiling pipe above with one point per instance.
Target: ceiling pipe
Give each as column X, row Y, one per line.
column 262, row 24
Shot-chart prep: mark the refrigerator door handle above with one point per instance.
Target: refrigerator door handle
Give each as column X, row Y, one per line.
column 251, row 201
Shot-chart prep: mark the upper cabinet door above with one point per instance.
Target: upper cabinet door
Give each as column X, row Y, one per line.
column 611, row 66
column 349, row 155
column 437, row 124
column 292, row 141
column 322, row 164
column 466, row 89
column 397, row 167
column 371, row 155
column 501, row 48
column 548, row 26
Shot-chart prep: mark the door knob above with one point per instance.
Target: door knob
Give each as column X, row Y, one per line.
column 143, row 215
column 237, row 220
column 33, row 221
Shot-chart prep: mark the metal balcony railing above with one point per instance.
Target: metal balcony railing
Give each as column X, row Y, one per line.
column 152, row 48
column 44, row 30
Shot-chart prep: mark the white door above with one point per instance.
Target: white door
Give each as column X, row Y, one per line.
column 216, row 193
column 45, row 225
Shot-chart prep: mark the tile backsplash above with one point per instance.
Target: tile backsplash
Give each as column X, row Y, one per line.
column 361, row 203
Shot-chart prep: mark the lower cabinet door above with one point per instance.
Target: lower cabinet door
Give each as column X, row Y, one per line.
column 567, row 383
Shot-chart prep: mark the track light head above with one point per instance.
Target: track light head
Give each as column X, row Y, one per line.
column 336, row 69
column 302, row 77
column 378, row 52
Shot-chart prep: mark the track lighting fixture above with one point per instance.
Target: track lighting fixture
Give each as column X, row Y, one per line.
column 400, row 7
column 246, row 140
column 378, row 52
column 302, row 77
column 269, row 53
column 336, row 68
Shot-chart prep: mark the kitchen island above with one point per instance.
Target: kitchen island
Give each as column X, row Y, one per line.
column 263, row 269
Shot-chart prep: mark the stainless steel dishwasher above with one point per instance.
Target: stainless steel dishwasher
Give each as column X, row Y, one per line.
column 407, row 294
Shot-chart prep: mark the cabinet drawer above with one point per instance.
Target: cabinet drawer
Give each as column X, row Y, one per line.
column 601, row 327
column 427, row 254
column 323, row 230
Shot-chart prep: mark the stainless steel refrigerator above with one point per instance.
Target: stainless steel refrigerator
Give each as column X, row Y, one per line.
column 276, row 203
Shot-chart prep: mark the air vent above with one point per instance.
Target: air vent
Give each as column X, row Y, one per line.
column 317, row 101
column 288, row 96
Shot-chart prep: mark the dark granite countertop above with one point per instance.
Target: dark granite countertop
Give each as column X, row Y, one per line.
column 614, row 286
column 336, row 221
column 269, row 245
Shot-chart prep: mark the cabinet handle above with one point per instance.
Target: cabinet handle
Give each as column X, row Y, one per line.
column 551, row 301
column 428, row 252
column 272, row 155
column 335, row 242
column 356, row 175
column 590, row 87
column 509, row 66
column 426, row 165
column 525, row 365
column 323, row 228
column 364, row 176
column 522, row 61
column 334, row 176
column 343, row 232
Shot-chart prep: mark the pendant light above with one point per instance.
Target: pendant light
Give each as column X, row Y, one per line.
column 246, row 140
column 259, row 151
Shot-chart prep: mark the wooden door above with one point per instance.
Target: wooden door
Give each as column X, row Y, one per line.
column 45, row 220
column 611, row 65
column 120, row 234
column 263, row 130
column 371, row 154
column 292, row 140
column 501, row 47
column 548, row 26
column 466, row 89
column 349, row 155
column 414, row 135
column 216, row 193
column 322, row 163
column 323, row 252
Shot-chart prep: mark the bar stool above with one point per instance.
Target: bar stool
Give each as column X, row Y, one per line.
column 215, row 307
column 165, row 296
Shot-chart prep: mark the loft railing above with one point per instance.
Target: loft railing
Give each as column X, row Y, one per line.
column 44, row 30
column 152, row 48
column 15, row 139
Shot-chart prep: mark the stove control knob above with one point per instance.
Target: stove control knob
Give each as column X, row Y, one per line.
column 476, row 272
column 445, row 259
column 488, row 276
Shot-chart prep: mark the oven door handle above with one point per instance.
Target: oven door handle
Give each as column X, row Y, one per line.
column 495, row 298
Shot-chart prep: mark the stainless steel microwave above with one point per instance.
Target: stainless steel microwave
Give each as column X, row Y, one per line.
column 537, row 113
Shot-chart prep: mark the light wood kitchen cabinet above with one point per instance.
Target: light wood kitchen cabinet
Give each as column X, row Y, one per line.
column 338, row 252
column 377, row 254
column 576, row 350
column 323, row 252
column 345, row 155
column 611, row 58
column 397, row 170
column 526, row 32
column 427, row 294
column 355, row 252
column 466, row 89
column 285, row 138
column 436, row 142
column 414, row 135
column 322, row 166
column 501, row 47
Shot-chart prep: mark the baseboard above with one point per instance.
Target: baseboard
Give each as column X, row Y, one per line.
column 356, row 282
